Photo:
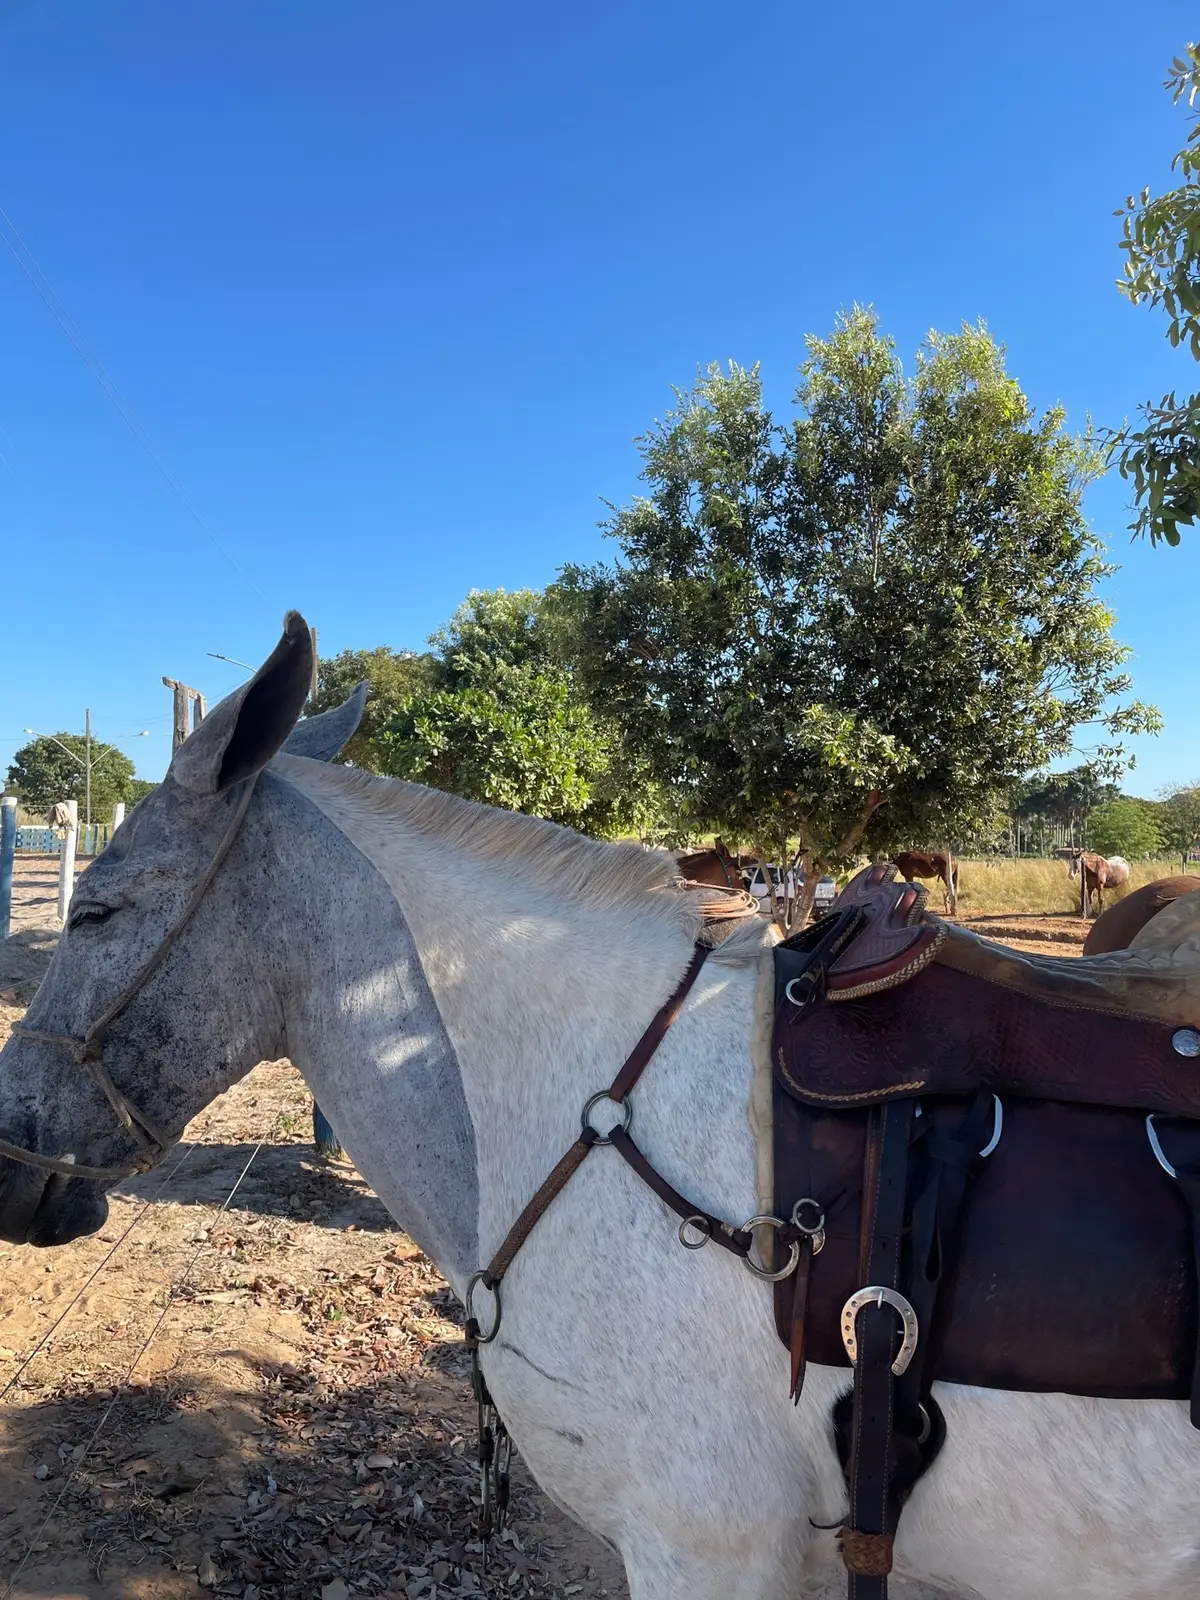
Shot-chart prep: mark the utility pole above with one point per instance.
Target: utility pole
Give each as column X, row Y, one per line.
column 185, row 698
column 87, row 766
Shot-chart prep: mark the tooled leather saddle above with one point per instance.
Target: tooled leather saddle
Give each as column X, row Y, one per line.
column 991, row 1167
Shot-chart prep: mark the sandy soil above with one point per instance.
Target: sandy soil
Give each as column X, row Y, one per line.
column 1039, row 933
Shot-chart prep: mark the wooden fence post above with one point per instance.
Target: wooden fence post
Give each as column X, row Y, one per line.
column 66, row 861
column 8, row 850
column 186, row 700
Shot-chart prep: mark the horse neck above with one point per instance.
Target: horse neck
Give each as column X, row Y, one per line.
column 534, row 998
column 362, row 1025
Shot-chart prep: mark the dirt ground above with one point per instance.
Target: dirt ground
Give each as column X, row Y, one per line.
column 1038, row 933
column 301, row 1422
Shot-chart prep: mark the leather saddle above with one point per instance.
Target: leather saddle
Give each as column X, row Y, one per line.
column 989, row 1167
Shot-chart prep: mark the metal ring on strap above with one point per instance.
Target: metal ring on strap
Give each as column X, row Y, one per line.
column 701, row 1225
column 997, row 1124
column 493, row 1289
column 761, row 1272
column 816, row 1229
column 625, row 1107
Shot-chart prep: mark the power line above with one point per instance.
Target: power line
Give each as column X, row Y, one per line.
column 27, row 262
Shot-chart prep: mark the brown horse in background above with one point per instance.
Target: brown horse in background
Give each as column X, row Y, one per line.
column 914, row 864
column 1099, row 873
column 1116, row 928
column 716, row 867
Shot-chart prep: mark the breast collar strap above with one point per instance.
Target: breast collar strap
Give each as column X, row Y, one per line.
column 87, row 1051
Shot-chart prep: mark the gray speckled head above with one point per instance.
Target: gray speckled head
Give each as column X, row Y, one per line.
column 298, row 947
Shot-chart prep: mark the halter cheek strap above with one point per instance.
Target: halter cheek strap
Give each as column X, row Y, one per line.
column 87, row 1051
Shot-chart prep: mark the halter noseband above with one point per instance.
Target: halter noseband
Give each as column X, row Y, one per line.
column 88, row 1050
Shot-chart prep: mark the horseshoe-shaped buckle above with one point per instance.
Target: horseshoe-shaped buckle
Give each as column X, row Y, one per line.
column 877, row 1295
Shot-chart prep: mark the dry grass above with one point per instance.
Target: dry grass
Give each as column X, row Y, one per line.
column 998, row 885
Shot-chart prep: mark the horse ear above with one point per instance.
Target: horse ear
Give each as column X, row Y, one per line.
column 239, row 736
column 326, row 735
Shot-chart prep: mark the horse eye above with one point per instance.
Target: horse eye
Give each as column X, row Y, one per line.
column 90, row 911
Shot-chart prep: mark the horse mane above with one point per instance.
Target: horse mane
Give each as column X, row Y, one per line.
column 554, row 858
column 592, row 872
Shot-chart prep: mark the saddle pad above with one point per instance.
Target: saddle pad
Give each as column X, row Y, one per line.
column 948, row 1032
column 1073, row 1271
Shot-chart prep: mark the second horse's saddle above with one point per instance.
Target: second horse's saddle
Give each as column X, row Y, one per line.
column 990, row 1167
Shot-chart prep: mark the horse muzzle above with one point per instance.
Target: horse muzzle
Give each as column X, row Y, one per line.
column 44, row 1209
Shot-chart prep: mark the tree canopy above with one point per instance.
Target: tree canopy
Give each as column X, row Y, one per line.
column 499, row 720
column 393, row 678
column 52, row 768
column 1063, row 797
column 1161, row 241
column 1179, row 820
column 860, row 629
column 1124, row 827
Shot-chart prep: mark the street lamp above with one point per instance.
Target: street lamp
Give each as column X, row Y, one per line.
column 88, row 763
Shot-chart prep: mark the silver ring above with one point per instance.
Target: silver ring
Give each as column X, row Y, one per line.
column 702, row 1226
column 815, row 1230
column 1152, row 1135
column 761, row 1272
column 476, row 1279
column 799, row 978
column 816, row 1227
column 997, row 1125
column 624, row 1106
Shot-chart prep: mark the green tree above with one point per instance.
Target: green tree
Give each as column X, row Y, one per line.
column 49, row 769
column 1061, row 799
column 1124, row 827
column 394, row 677
column 860, row 630
column 1161, row 241
column 501, row 722
column 493, row 628
column 1179, row 820
column 516, row 740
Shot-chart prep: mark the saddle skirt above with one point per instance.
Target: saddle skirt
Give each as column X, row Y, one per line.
column 1073, row 1267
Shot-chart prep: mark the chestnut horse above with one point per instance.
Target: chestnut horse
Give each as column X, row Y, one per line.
column 1116, row 928
column 716, row 867
column 915, row 864
column 1099, row 873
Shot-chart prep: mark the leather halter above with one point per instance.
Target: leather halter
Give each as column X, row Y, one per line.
column 88, row 1050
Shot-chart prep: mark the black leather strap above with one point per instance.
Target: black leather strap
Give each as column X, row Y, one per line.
column 805, row 958
column 866, row 1539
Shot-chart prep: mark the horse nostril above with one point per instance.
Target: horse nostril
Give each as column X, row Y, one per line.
column 21, row 1190
column 68, row 1209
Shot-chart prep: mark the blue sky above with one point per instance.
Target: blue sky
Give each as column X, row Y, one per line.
column 392, row 289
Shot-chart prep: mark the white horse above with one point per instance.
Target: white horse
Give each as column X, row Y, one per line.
column 644, row 1384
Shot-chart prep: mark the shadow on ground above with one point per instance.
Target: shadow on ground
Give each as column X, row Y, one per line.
column 287, row 1180
column 272, row 1488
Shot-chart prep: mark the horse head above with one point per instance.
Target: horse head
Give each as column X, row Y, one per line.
column 160, row 993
